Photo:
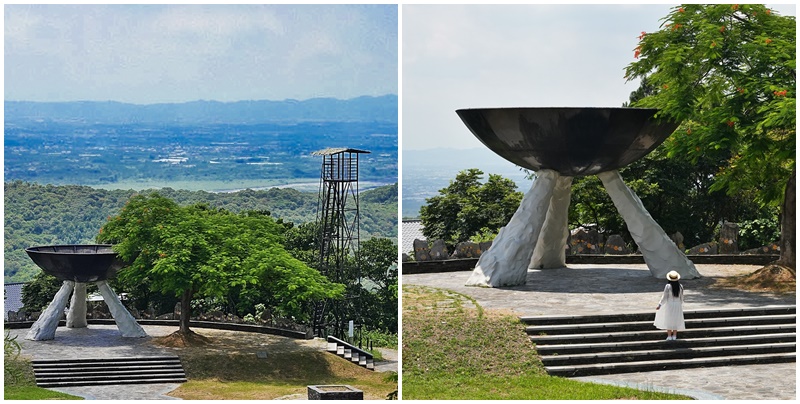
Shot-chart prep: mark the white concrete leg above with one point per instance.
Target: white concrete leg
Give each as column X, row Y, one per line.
column 660, row 253
column 45, row 327
column 76, row 316
column 505, row 263
column 549, row 251
column 126, row 324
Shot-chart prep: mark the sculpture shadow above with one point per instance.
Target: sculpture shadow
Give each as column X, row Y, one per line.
column 627, row 281
column 590, row 280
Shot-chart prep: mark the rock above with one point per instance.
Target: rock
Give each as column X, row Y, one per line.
column 677, row 238
column 615, row 245
column 421, row 250
column 704, row 249
column 583, row 242
column 729, row 238
column 771, row 249
column 439, row 250
column 467, row 249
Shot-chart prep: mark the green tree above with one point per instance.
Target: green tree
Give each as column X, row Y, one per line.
column 377, row 261
column 466, row 207
column 728, row 72
column 200, row 251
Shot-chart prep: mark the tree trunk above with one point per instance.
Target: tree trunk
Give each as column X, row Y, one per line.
column 788, row 257
column 186, row 299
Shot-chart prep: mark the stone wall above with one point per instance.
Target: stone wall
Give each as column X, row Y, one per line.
column 591, row 242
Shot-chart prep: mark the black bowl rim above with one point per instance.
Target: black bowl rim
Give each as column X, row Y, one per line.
column 557, row 108
column 34, row 249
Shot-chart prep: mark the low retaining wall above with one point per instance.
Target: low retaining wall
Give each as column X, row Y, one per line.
column 425, row 267
column 260, row 329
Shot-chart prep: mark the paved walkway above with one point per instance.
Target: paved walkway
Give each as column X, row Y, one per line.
column 105, row 341
column 584, row 289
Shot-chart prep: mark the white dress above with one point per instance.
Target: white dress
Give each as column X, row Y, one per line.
column 670, row 315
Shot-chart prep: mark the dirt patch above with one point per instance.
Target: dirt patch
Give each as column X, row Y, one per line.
column 771, row 278
column 180, row 340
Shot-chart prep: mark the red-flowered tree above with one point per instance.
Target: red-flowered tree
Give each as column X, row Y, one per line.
column 728, row 72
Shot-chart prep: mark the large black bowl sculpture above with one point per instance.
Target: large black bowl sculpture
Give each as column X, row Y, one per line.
column 560, row 144
column 571, row 141
column 78, row 263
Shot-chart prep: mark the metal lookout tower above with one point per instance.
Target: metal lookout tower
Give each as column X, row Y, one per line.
column 338, row 217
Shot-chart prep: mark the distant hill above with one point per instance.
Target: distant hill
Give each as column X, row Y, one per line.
column 360, row 109
column 38, row 214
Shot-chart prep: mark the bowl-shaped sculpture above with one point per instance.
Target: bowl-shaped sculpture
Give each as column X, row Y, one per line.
column 79, row 263
column 571, row 141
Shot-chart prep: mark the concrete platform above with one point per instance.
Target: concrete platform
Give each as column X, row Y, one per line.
column 586, row 289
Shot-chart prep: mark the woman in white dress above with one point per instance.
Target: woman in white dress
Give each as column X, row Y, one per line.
column 669, row 313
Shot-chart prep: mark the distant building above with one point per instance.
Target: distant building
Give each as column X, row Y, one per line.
column 12, row 293
column 411, row 230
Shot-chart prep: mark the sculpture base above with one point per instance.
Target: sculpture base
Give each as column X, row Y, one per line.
column 45, row 327
column 535, row 237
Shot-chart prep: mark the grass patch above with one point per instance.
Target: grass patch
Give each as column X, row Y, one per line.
column 452, row 349
column 34, row 393
column 19, row 382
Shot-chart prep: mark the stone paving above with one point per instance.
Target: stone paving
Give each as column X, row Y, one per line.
column 584, row 289
column 105, row 341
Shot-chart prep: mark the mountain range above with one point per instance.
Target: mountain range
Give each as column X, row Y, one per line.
column 360, row 109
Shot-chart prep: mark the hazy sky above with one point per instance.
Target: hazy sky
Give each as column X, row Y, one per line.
column 473, row 56
column 162, row 53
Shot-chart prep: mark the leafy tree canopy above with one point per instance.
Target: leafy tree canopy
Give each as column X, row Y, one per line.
column 467, row 208
column 201, row 251
column 728, row 73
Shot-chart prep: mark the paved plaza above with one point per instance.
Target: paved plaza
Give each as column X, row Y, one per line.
column 585, row 289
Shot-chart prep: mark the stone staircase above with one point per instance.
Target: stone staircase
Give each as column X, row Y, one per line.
column 350, row 352
column 108, row 371
column 572, row 346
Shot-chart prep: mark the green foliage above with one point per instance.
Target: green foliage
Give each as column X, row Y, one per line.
column 13, row 371
column 198, row 250
column 38, row 293
column 467, row 208
column 758, row 232
column 71, row 214
column 727, row 72
column 377, row 261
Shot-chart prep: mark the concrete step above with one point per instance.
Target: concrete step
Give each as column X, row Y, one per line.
column 107, row 371
column 655, row 334
column 350, row 352
column 669, row 350
column 649, row 315
column 555, row 329
column 628, row 342
column 670, row 364
column 581, row 348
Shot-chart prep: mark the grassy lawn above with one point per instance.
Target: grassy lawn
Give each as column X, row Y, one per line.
column 453, row 349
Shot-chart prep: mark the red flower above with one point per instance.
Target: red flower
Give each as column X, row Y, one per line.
column 666, row 86
column 722, row 28
column 769, row 11
column 637, row 52
column 680, row 10
column 713, row 44
column 768, row 40
column 642, row 35
column 731, row 123
column 735, row 7
column 689, row 131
